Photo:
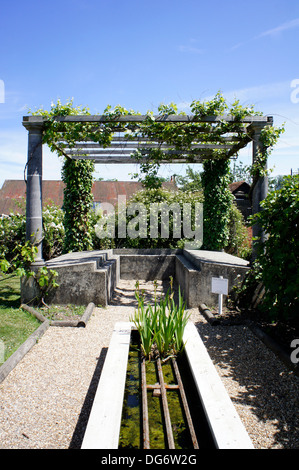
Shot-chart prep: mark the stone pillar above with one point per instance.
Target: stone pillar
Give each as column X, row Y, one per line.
column 34, row 220
column 260, row 189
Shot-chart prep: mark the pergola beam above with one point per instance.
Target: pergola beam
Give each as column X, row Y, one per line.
column 127, row 159
column 131, row 146
column 184, row 118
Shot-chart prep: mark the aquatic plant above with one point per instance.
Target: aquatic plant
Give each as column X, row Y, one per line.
column 161, row 325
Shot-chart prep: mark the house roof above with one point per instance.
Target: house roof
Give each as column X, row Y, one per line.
column 239, row 186
column 13, row 193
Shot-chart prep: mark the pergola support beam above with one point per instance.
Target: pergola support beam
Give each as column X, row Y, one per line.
column 260, row 189
column 34, row 218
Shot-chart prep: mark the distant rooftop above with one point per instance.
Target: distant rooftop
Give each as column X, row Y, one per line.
column 13, row 193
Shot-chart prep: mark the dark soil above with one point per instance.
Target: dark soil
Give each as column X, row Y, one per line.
column 62, row 312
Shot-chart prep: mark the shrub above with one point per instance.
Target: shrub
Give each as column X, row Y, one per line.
column 278, row 255
column 239, row 243
column 13, row 234
column 53, row 231
column 139, row 225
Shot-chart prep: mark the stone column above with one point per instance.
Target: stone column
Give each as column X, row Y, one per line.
column 34, row 221
column 260, row 189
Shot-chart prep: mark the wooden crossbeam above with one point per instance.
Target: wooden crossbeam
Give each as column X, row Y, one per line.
column 128, row 150
column 158, row 118
column 127, row 159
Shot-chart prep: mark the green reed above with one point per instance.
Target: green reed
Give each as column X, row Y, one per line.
column 161, row 325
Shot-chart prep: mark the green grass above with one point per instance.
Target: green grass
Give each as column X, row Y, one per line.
column 16, row 325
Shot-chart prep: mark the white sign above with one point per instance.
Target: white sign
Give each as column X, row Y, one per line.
column 219, row 285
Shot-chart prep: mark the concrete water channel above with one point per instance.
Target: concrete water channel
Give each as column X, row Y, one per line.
column 217, row 424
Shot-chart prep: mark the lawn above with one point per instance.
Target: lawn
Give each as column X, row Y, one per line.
column 16, row 325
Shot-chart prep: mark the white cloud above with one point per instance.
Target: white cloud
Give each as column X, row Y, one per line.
column 263, row 95
column 191, row 49
column 270, row 32
column 279, row 29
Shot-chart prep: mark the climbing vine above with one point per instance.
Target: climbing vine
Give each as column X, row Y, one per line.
column 78, row 178
column 179, row 136
column 217, row 204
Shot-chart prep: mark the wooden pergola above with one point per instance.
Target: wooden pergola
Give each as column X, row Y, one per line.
column 124, row 149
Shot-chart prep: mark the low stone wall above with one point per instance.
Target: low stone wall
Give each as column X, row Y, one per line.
column 195, row 269
column 82, row 277
column 93, row 276
column 147, row 265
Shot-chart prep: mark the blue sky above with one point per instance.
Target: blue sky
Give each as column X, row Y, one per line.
column 139, row 54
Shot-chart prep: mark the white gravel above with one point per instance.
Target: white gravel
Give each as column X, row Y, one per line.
column 46, row 399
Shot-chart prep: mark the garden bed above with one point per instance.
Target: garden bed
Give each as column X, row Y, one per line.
column 62, row 312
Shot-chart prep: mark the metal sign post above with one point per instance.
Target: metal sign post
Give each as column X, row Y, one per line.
column 220, row 287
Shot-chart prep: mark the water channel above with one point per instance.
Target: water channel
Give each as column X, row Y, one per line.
column 131, row 431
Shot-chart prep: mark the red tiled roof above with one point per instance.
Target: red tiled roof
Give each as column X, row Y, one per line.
column 238, row 185
column 14, row 192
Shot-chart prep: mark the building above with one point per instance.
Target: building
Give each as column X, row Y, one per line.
column 240, row 190
column 13, row 193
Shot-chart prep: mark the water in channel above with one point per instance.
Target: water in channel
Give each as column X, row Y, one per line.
column 131, row 433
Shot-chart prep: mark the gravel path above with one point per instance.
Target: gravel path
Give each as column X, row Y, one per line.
column 45, row 401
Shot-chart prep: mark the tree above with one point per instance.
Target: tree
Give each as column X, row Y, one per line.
column 240, row 172
column 191, row 181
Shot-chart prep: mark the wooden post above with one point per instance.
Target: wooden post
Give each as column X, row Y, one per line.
column 34, row 221
column 260, row 189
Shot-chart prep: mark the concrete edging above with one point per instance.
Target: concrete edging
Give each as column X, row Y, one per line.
column 208, row 314
column 274, row 346
column 18, row 355
column 103, row 427
column 225, row 424
column 269, row 342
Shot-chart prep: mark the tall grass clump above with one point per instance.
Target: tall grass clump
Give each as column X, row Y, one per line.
column 161, row 325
